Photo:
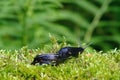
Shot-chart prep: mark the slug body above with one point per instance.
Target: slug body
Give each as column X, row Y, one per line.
column 61, row 56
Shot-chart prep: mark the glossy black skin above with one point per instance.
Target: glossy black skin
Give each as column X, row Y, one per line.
column 66, row 52
column 62, row 55
column 45, row 59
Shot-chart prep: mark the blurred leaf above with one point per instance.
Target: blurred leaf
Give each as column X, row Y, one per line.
column 26, row 22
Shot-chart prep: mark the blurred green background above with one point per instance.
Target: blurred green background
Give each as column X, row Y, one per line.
column 29, row 22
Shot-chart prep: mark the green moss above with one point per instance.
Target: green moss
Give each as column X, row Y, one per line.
column 15, row 65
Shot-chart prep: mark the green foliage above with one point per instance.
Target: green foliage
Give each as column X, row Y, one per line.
column 27, row 22
column 15, row 65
